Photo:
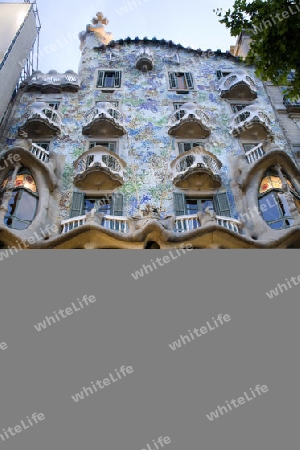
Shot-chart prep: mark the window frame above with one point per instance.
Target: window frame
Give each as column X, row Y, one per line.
column 113, row 142
column 109, row 88
column 189, row 82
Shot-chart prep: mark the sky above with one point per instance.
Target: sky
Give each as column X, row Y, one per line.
column 188, row 22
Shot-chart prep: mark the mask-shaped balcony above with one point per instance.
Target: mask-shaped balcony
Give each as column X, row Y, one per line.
column 196, row 169
column 251, row 123
column 144, row 61
column 238, row 85
column 189, row 122
column 104, row 120
column 41, row 121
column 99, row 168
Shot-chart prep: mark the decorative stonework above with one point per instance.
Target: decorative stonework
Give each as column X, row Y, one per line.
column 238, row 85
column 53, row 82
column 97, row 27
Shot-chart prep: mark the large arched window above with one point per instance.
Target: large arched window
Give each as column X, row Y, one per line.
column 273, row 203
column 23, row 203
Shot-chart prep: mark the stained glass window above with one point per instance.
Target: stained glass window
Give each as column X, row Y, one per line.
column 272, row 202
column 23, row 203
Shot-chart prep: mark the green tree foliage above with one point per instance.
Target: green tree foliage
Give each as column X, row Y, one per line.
column 274, row 28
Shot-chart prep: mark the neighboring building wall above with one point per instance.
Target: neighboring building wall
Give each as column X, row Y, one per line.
column 17, row 35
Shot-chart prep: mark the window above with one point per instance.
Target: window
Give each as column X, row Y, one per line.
column 109, row 79
column 222, row 73
column 23, row 203
column 186, row 146
column 190, row 205
column 272, row 202
column 109, row 145
column 110, row 204
column 237, row 107
column 181, row 81
column 54, row 105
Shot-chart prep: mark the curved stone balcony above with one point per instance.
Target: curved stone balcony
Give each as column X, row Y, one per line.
column 144, row 61
column 251, row 123
column 104, row 120
column 40, row 120
column 238, row 85
column 189, row 122
column 196, row 169
column 99, row 168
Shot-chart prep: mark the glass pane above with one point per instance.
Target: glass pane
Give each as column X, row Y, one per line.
column 109, row 80
column 191, row 206
column 206, row 203
column 270, row 208
column 26, row 206
column 181, row 81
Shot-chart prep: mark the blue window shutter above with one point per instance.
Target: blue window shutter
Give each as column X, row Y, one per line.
column 179, row 204
column 173, row 81
column 77, row 204
column 118, row 79
column 189, row 80
column 221, row 204
column 100, row 81
column 117, row 205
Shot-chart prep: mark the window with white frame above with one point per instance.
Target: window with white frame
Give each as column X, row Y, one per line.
column 181, row 81
column 109, row 79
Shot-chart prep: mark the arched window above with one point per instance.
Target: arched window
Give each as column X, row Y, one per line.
column 23, row 203
column 273, row 203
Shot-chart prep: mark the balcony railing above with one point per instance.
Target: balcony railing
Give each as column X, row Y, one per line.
column 115, row 223
column 71, row 224
column 249, row 117
column 188, row 163
column 40, row 153
column 108, row 167
column 255, row 153
column 103, row 112
column 191, row 222
column 238, row 84
column 40, row 113
column 183, row 120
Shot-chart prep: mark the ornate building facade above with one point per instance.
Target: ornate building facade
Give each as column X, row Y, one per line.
column 150, row 145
